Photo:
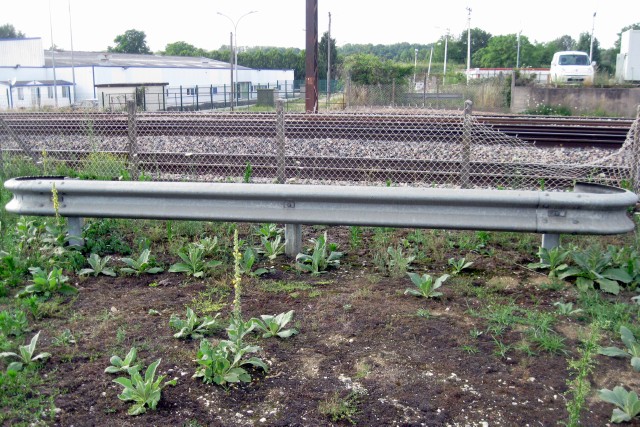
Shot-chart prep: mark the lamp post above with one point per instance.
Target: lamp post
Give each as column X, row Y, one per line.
column 234, row 46
column 415, row 67
column 518, row 54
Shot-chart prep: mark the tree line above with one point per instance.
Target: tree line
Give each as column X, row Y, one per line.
column 378, row 64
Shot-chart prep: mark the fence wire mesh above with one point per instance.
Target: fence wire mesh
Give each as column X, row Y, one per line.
column 387, row 146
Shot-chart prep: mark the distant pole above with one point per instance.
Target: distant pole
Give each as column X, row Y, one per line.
column 73, row 68
column 429, row 68
column 311, row 57
column 446, row 45
column 593, row 26
column 232, row 88
column 518, row 54
column 53, row 60
column 415, row 67
column 329, row 62
column 468, row 43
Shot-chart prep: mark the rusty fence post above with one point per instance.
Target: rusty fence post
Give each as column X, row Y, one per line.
column 133, row 137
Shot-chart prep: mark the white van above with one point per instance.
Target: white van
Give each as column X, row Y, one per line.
column 572, row 67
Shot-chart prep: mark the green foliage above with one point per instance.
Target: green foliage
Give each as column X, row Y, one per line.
column 25, row 355
column 272, row 247
column 426, row 285
column 632, row 351
column 47, row 284
column 143, row 264
column 338, row 409
column 458, row 265
column 65, row 338
column 548, row 110
column 193, row 262
column 224, row 363
column 355, row 236
column 501, row 52
column 398, row 263
column 322, row 257
column 272, row 326
column 209, row 245
column 102, row 166
column 628, row 405
column 368, row 69
column 8, row 31
column 247, row 261
column 13, row 323
column 145, row 392
column 120, row 365
column 595, row 267
column 248, row 172
column 132, row 41
column 268, row 231
column 583, row 367
column 183, row 49
column 553, row 259
column 566, row 308
column 22, row 402
column 194, row 327
column 98, row 266
column 103, row 236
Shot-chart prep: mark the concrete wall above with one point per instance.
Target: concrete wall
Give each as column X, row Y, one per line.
column 621, row 102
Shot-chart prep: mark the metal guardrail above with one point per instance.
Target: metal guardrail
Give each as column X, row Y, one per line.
column 589, row 209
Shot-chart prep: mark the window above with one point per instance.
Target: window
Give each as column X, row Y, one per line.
column 21, row 94
column 49, row 92
column 192, row 91
column 65, row 91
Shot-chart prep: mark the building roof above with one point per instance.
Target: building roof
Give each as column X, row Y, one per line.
column 108, row 59
column 30, row 83
column 131, row 84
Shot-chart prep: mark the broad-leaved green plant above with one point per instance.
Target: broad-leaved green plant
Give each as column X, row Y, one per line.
column 273, row 326
column 98, row 266
column 632, row 351
column 628, row 405
column 120, row 365
column 194, row 327
column 324, row 255
column 25, row 355
column 426, row 285
column 193, row 263
column 144, row 392
column 47, row 284
column 142, row 264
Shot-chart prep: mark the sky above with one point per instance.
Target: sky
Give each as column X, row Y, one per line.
column 281, row 23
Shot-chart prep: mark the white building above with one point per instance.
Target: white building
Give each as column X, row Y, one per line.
column 186, row 80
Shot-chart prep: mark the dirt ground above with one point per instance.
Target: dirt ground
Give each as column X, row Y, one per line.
column 396, row 359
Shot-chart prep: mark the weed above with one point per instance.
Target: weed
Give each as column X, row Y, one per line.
column 98, row 266
column 194, row 327
column 470, row 349
column 64, row 339
column 582, row 367
column 501, row 349
column 459, row 265
column 337, row 408
column 628, row 405
column 632, row 350
column 355, row 237
column 123, row 365
column 25, row 355
column 323, row 256
column 426, row 285
column 144, row 392
column 273, row 326
column 140, row 265
column 398, row 263
column 553, row 259
column 193, row 262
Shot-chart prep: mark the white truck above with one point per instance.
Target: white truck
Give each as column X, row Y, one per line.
column 571, row 66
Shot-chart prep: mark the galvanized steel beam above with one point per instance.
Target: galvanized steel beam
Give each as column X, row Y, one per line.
column 589, row 209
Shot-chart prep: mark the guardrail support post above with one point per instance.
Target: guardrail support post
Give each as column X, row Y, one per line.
column 74, row 228
column 133, row 135
column 465, row 161
column 550, row 240
column 292, row 239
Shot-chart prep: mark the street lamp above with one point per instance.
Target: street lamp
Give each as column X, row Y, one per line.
column 234, row 47
column 415, row 68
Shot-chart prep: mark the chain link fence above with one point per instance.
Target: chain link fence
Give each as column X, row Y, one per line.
column 381, row 147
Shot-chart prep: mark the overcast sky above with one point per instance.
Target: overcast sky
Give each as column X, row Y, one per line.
column 281, row 22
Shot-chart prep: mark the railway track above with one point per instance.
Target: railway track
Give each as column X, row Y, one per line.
column 543, row 131
column 162, row 165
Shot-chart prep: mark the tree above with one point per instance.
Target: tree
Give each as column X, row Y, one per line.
column 183, row 49
column 502, row 51
column 368, row 69
column 132, row 41
column 322, row 58
column 7, row 31
column 458, row 47
column 584, row 44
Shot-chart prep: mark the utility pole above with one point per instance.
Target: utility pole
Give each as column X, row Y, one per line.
column 233, row 92
column 593, row 26
column 518, row 54
column 329, row 63
column 73, row 68
column 53, row 59
column 468, row 43
column 446, row 41
column 415, row 67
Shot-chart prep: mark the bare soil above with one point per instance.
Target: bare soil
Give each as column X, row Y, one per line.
column 360, row 338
